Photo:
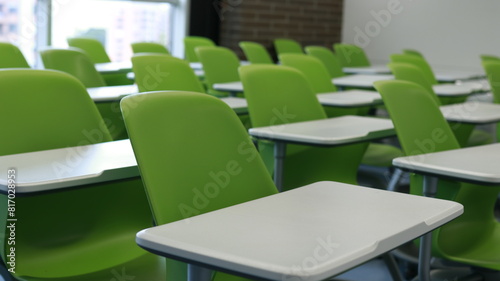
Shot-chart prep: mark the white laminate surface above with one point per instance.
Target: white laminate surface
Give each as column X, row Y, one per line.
column 360, row 80
column 66, row 167
column 350, row 98
column 229, row 87
column 472, row 112
column 239, row 105
column 111, row 93
column 309, row 233
column 374, row 69
column 479, row 163
column 332, row 131
column 114, row 67
column 452, row 90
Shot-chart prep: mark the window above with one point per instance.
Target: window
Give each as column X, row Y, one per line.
column 114, row 23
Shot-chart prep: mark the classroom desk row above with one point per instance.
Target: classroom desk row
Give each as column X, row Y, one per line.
column 320, row 204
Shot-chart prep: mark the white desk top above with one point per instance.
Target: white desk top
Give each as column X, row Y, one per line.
column 472, row 112
column 482, row 97
column 67, row 167
column 453, row 90
column 332, row 131
column 239, row 105
column 455, row 75
column 350, row 98
column 114, row 67
column 360, row 80
column 111, row 93
column 373, row 69
column 281, row 237
column 199, row 66
column 478, row 164
column 478, row 85
column 229, row 87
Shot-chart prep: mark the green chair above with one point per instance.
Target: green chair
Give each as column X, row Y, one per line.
column 149, row 47
column 193, row 42
column 328, row 58
column 283, row 46
column 78, row 64
column 77, row 234
column 220, row 65
column 11, row 56
column 351, row 55
column 97, row 54
column 379, row 155
column 159, row 72
column 413, row 52
column 255, row 52
column 465, row 133
column 485, row 58
column 474, row 237
column 210, row 164
column 492, row 69
column 279, row 95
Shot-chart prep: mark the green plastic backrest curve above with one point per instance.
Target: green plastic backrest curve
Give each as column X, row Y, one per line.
column 41, row 95
column 351, row 55
column 12, row 57
column 284, row 45
column 418, row 62
column 74, row 62
column 159, row 72
column 94, row 48
column 313, row 69
column 255, row 52
column 190, row 45
column 149, row 47
column 328, row 58
column 412, row 73
column 412, row 52
column 220, row 65
column 485, row 58
column 492, row 69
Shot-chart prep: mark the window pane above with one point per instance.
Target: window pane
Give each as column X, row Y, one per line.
column 116, row 24
column 18, row 25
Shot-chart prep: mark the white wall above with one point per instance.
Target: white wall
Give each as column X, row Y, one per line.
column 449, row 33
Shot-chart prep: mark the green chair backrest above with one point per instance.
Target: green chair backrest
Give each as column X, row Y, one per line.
column 418, row 62
column 69, row 234
column 492, row 69
column 190, row 45
column 412, row 52
column 11, row 56
column 489, row 58
column 149, row 47
column 94, row 48
column 155, row 72
column 328, row 58
column 410, row 72
column 313, row 69
column 421, row 128
column 279, row 94
column 351, row 55
column 220, row 65
column 74, row 62
column 209, row 164
column 283, row 46
column 255, row 52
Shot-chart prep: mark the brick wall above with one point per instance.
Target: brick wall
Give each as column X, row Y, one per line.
column 311, row 22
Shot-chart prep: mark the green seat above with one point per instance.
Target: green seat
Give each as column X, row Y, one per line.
column 159, row 72
column 97, row 54
column 210, row 163
column 78, row 64
column 413, row 52
column 328, row 58
column 78, row 234
column 351, row 55
column 149, row 47
column 255, row 52
column 492, row 69
column 377, row 154
column 190, row 45
column 220, row 65
column 280, row 95
column 474, row 237
column 465, row 133
column 11, row 56
column 284, row 45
